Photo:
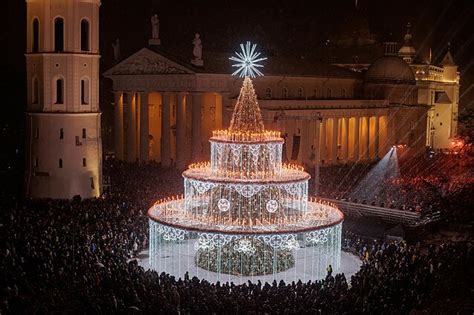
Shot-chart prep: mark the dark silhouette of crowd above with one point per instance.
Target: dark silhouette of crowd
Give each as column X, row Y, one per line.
column 421, row 184
column 78, row 256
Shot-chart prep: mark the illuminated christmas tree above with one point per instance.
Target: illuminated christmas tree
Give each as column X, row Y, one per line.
column 244, row 212
column 247, row 117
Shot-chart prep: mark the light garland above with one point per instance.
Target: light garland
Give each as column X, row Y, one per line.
column 245, row 211
column 242, row 136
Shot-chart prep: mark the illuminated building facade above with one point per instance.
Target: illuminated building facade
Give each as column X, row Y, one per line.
column 64, row 145
column 437, row 85
column 166, row 107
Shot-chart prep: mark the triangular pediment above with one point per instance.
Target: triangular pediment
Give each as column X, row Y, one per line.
column 146, row 61
column 448, row 59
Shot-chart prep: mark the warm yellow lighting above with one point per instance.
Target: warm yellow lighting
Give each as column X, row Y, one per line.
column 237, row 136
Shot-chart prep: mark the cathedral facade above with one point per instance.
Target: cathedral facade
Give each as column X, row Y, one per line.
column 166, row 107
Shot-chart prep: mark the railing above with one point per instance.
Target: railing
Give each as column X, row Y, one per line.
column 386, row 214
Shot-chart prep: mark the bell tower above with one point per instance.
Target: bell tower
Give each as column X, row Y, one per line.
column 64, row 144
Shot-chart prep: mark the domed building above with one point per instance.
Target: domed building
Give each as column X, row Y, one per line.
column 391, row 78
column 167, row 104
column 437, row 84
column 390, row 69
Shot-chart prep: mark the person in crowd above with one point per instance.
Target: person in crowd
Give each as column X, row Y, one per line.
column 60, row 256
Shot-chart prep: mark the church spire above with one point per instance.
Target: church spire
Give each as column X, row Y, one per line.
column 407, row 51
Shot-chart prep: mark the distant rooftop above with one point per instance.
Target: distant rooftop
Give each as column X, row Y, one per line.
column 219, row 63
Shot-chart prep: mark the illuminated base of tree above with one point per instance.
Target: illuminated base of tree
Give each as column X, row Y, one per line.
column 255, row 260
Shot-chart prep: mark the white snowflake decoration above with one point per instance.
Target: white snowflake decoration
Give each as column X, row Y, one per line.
column 245, row 246
column 272, row 206
column 291, row 244
column 247, row 61
column 223, row 205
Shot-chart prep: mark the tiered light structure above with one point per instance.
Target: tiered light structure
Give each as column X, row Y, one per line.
column 245, row 213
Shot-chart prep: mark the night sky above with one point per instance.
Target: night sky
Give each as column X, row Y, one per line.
column 292, row 28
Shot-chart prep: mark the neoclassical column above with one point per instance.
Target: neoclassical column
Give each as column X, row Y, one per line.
column 181, row 131
column 144, row 128
column 345, row 140
column 317, row 153
column 226, row 110
column 118, row 124
column 367, row 138
column 376, row 136
column 131, row 128
column 323, row 141
column 356, row 138
column 196, row 125
column 165, row 130
column 335, row 127
column 305, row 141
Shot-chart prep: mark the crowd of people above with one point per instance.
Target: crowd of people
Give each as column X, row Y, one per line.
column 416, row 185
column 79, row 257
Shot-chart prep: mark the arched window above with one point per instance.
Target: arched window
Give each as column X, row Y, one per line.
column 35, row 91
column 300, row 92
column 85, row 46
column 329, row 93
column 284, row 93
column 35, row 47
column 59, row 91
column 58, row 35
column 60, row 163
column 343, row 93
column 268, row 92
column 85, row 91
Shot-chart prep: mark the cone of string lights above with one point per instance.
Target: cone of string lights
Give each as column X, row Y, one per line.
column 245, row 213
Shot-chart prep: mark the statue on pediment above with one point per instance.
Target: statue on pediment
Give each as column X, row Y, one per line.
column 116, row 47
column 155, row 27
column 197, row 50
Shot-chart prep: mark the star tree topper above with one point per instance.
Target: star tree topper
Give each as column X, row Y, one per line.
column 247, row 61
